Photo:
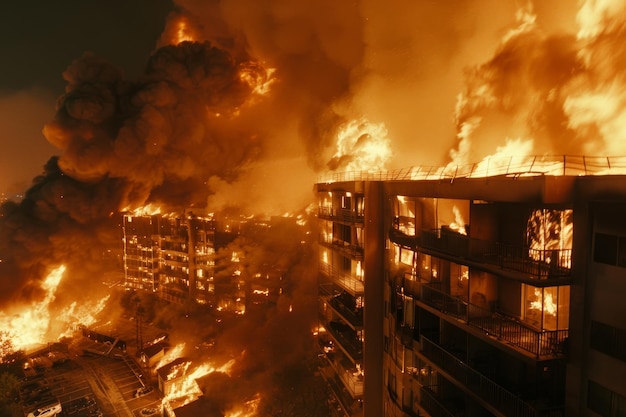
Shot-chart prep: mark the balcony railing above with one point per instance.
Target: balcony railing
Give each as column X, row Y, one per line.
column 434, row 405
column 346, row 215
column 495, row 395
column 508, row 329
column 355, row 318
column 347, row 342
column 519, row 165
column 346, row 249
column 539, row 342
column 535, row 263
column 351, row 378
column 349, row 282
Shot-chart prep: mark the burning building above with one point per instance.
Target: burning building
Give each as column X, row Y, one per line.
column 172, row 256
column 494, row 295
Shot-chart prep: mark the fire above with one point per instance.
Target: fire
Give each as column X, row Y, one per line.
column 27, row 326
column 248, row 409
column 548, row 305
column 170, row 355
column 84, row 314
column 184, row 388
column 147, row 210
column 550, row 233
column 362, row 146
column 184, row 32
column 258, row 78
column 459, row 223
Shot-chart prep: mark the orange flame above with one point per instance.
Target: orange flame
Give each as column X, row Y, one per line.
column 184, row 32
column 362, row 146
column 27, row 326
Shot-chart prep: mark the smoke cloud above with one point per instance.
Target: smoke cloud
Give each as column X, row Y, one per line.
column 450, row 81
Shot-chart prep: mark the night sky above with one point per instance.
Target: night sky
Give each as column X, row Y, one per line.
column 40, row 40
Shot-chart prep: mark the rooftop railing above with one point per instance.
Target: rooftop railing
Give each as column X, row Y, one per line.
column 556, row 165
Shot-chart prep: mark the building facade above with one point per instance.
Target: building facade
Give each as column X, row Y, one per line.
column 171, row 256
column 474, row 296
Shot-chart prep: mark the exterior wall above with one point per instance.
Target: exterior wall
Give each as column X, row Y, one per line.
column 541, row 326
column 597, row 363
column 171, row 256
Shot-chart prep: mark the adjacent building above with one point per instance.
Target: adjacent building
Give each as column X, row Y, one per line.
column 475, row 295
column 171, row 256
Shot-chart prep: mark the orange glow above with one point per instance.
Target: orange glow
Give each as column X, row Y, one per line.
column 27, row 325
column 184, row 32
column 458, row 224
column 258, row 78
column 170, row 355
column 84, row 314
column 147, row 210
column 362, row 146
column 184, row 388
column 548, row 305
column 248, row 409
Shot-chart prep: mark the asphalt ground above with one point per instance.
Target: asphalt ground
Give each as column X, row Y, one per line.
column 89, row 384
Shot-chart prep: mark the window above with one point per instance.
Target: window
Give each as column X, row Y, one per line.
column 599, row 399
column 608, row 340
column 605, row 249
column 604, row 401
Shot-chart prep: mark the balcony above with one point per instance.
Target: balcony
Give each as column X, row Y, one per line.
column 538, row 342
column 352, row 315
column 492, row 393
column 434, row 405
column 349, row 282
column 533, row 263
column 346, row 339
column 346, row 249
column 343, row 215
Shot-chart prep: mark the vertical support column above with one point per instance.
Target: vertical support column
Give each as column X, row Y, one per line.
column 373, row 312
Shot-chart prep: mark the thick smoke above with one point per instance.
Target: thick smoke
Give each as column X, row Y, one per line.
column 548, row 94
column 125, row 144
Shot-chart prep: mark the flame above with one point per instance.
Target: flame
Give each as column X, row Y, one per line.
column 84, row 314
column 147, row 210
column 459, row 223
column 184, row 389
column 170, row 355
column 548, row 305
column 548, row 231
column 184, row 32
column 257, row 77
column 248, row 409
column 27, row 326
column 362, row 146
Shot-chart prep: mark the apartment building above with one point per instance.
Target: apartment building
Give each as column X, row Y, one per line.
column 473, row 294
column 171, row 256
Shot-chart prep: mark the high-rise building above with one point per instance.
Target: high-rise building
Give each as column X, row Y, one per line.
column 475, row 295
column 172, row 256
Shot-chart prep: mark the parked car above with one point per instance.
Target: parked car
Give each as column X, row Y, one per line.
column 46, row 410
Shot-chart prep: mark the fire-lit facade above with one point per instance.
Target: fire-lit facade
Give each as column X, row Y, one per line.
column 492, row 296
column 171, row 256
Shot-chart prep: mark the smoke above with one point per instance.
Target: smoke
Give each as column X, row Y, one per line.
column 547, row 93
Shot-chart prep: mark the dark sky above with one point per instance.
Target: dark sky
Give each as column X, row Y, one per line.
column 40, row 40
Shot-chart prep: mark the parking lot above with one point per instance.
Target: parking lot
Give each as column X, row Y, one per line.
column 89, row 384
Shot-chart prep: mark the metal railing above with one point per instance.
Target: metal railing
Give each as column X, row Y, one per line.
column 508, row 329
column 349, row 282
column 346, row 215
column 348, row 250
column 494, row 394
column 518, row 165
column 536, row 263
